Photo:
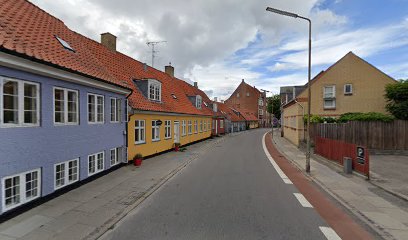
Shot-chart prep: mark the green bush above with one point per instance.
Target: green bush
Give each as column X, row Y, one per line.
column 370, row 116
column 397, row 99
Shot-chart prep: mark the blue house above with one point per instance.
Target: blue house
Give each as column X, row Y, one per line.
column 62, row 116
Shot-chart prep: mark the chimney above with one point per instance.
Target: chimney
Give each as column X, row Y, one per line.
column 243, row 80
column 169, row 70
column 215, row 99
column 145, row 67
column 195, row 84
column 109, row 41
column 222, row 101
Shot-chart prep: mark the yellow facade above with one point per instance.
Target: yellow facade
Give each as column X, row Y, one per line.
column 368, row 89
column 150, row 146
column 253, row 124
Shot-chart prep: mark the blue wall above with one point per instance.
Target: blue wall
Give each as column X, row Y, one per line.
column 26, row 148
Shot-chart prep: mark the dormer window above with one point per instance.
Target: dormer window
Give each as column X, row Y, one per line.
column 154, row 87
column 199, row 101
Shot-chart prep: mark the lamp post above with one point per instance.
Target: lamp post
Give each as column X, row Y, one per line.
column 289, row 14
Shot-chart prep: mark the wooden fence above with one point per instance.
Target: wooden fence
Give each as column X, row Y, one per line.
column 373, row 135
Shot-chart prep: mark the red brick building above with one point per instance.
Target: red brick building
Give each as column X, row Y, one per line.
column 251, row 99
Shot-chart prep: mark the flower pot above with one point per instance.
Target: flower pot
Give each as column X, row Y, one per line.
column 137, row 162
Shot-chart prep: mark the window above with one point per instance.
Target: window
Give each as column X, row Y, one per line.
column 155, row 131
column 260, row 102
column 205, row 104
column 195, row 126
column 115, row 156
column 140, row 131
column 209, row 125
column 183, row 128
column 64, row 43
column 189, row 127
column 199, row 101
column 260, row 111
column 154, row 87
column 221, row 123
column 65, row 106
column 95, row 163
column 329, row 100
column 20, row 103
column 205, row 126
column 167, row 129
column 20, row 188
column 237, row 95
column 66, row 173
column 348, row 89
column 116, row 109
column 201, row 125
column 95, row 108
column 247, row 94
column 213, row 126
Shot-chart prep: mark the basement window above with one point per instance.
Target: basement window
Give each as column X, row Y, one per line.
column 64, row 44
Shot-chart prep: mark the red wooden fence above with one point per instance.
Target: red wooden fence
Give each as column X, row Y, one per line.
column 336, row 150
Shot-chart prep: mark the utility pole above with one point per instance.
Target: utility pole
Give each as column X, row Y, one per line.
column 153, row 44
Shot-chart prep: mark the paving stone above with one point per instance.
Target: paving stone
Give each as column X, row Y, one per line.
column 26, row 226
column 4, row 237
column 64, row 221
column 75, row 232
column 59, row 207
column 385, row 220
column 396, row 213
column 378, row 202
column 38, row 234
column 399, row 234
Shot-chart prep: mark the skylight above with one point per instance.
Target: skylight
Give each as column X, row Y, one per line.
column 64, row 44
column 205, row 104
column 174, row 96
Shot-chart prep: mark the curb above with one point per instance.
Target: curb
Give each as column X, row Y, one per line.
column 376, row 228
column 110, row 224
column 401, row 196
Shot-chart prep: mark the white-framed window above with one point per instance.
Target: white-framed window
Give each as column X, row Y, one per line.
column 140, row 131
column 209, row 125
column 95, row 108
column 190, row 129
column 260, row 111
column 154, row 88
column 260, row 102
column 115, row 156
column 116, row 110
column 66, row 173
column 199, row 101
column 205, row 126
column 65, row 106
column 155, row 131
column 201, row 125
column 167, row 129
column 195, row 126
column 20, row 188
column 247, row 94
column 221, row 123
column 19, row 103
column 348, row 89
column 329, row 94
column 183, row 128
column 237, row 95
column 96, row 163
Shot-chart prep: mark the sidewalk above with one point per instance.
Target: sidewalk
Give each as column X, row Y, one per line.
column 88, row 211
column 353, row 192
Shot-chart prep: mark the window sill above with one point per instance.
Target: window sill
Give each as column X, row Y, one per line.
column 59, row 187
column 96, row 172
column 333, row 108
column 8, row 125
column 65, row 124
column 155, row 140
column 167, row 138
column 140, row 143
column 95, row 123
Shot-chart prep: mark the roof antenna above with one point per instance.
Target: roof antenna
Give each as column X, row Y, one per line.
column 153, row 44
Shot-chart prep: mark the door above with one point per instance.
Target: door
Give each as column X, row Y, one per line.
column 176, row 132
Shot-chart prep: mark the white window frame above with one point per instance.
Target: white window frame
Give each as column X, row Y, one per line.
column 66, row 90
column 351, row 89
column 260, row 112
column 117, row 156
column 167, row 129
column 221, row 123
column 332, row 106
column 115, row 114
column 260, row 102
column 190, row 127
column 22, row 189
column 140, row 128
column 66, row 173
column 96, row 108
column 20, row 105
column 201, row 126
column 329, row 97
column 247, row 94
column 199, row 101
column 209, row 125
column 332, row 95
column 156, row 90
column 237, row 95
column 183, row 128
column 205, row 125
column 97, row 170
column 156, row 133
column 195, row 127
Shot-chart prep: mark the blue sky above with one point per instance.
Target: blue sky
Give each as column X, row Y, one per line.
column 218, row 43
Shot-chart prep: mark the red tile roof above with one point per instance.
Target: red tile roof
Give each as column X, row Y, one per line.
column 248, row 115
column 229, row 113
column 28, row 31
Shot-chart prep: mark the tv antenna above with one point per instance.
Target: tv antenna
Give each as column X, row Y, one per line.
column 153, row 44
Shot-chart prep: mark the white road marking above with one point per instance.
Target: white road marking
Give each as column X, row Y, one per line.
column 329, row 233
column 277, row 168
column 303, row 200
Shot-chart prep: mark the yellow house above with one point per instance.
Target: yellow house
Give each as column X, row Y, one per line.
column 350, row 85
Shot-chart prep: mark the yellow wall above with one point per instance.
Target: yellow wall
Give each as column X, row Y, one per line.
column 253, row 124
column 293, row 123
column 151, row 147
column 368, row 88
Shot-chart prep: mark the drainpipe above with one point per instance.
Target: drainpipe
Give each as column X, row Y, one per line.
column 303, row 109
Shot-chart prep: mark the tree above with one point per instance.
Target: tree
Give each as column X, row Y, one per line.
column 397, row 99
column 276, row 103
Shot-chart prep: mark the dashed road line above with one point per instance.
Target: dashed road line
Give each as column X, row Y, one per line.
column 274, row 164
column 303, row 201
column 329, row 233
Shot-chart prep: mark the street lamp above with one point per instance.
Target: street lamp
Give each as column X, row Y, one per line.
column 289, row 14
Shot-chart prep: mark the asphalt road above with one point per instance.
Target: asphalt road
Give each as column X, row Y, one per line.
column 230, row 192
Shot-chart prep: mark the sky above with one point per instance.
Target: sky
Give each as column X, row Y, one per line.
column 218, row 43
